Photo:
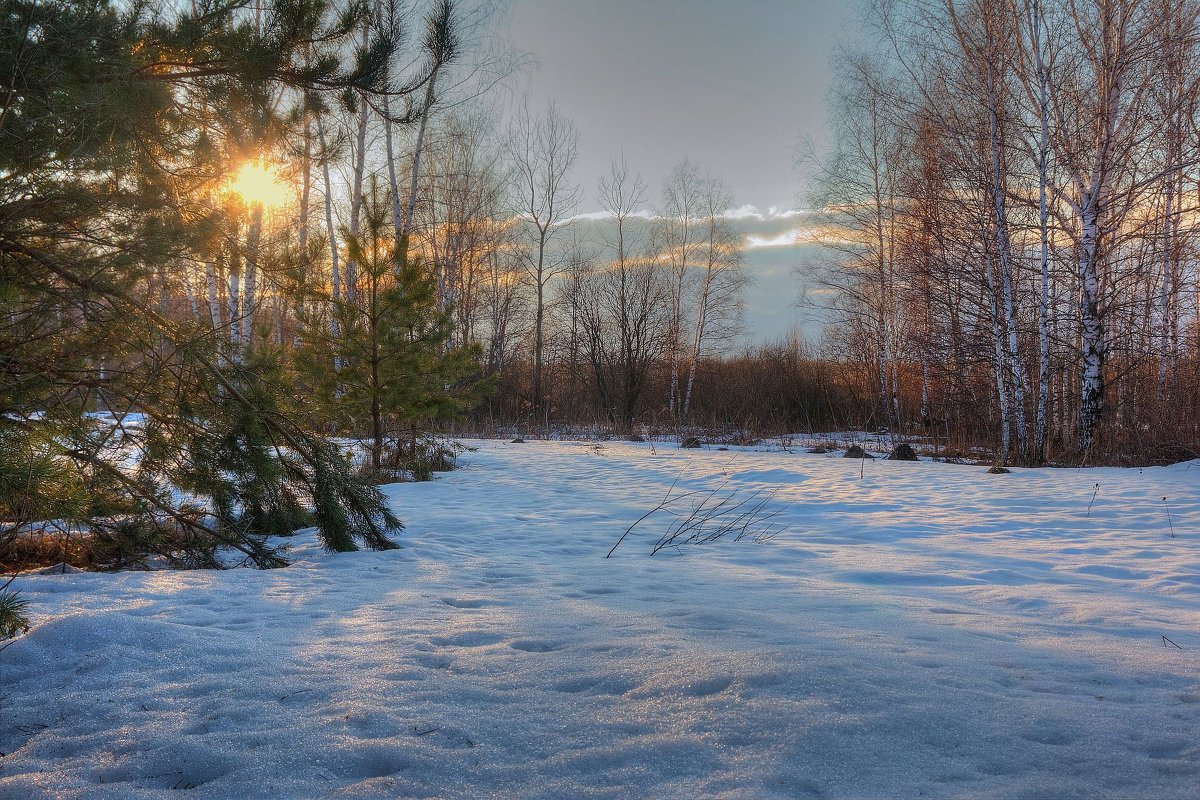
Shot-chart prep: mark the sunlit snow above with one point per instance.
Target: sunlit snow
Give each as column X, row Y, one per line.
column 925, row 630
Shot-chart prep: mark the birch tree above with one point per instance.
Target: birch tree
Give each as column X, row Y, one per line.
column 543, row 150
column 859, row 185
column 721, row 281
column 676, row 241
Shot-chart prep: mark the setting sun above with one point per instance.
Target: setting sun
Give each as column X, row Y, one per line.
column 258, row 183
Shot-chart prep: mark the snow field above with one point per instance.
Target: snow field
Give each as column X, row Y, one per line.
column 928, row 630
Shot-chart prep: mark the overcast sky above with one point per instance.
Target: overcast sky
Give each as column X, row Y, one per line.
column 734, row 84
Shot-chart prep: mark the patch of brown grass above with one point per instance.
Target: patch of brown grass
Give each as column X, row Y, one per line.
column 44, row 547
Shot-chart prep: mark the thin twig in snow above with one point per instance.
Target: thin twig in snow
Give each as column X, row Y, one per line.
column 1169, row 521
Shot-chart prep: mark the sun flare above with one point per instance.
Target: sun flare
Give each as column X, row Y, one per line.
column 258, row 183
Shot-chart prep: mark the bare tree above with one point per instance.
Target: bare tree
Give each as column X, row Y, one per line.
column 676, row 236
column 543, row 150
column 859, row 186
column 619, row 301
column 1100, row 98
column 722, row 279
column 461, row 221
column 502, row 301
column 325, row 157
column 441, row 43
column 1035, row 62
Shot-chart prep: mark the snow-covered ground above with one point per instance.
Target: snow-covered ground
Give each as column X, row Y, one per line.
column 926, row 631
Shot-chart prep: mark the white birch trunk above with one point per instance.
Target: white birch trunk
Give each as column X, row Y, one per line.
column 210, row 281
column 302, row 233
column 1164, row 294
column 356, row 197
column 998, row 368
column 393, row 182
column 1004, row 263
column 925, row 391
column 1043, row 167
column 235, row 315
column 193, row 305
column 250, row 279
column 697, row 340
column 415, row 173
column 305, row 196
column 1091, row 324
column 333, row 247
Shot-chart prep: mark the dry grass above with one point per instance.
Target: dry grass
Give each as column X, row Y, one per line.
column 43, row 547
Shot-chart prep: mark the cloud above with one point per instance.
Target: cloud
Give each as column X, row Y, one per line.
column 772, row 228
column 588, row 216
column 746, row 213
column 602, row 216
column 815, row 232
column 785, row 239
column 749, row 212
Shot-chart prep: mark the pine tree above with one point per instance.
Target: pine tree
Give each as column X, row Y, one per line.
column 119, row 125
column 391, row 369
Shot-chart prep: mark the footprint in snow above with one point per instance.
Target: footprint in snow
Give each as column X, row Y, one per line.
column 1050, row 735
column 577, row 685
column 608, row 685
column 709, row 686
column 1166, row 749
column 467, row 639
column 465, row 602
column 433, row 661
column 536, row 646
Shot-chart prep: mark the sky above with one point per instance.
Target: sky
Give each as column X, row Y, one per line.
column 735, row 86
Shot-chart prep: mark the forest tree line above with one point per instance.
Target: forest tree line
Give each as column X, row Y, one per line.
column 1012, row 202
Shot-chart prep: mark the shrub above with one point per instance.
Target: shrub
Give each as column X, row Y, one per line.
column 903, row 452
column 12, row 614
column 419, row 459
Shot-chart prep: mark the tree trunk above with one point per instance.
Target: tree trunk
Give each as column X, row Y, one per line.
column 999, row 366
column 698, row 339
column 235, row 314
column 1043, row 167
column 1091, row 324
column 393, row 183
column 418, row 146
column 356, row 197
column 210, row 281
column 333, row 247
column 539, row 321
column 250, row 285
column 1004, row 263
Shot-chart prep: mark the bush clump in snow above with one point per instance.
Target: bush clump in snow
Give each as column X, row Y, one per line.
column 414, row 460
column 903, row 452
